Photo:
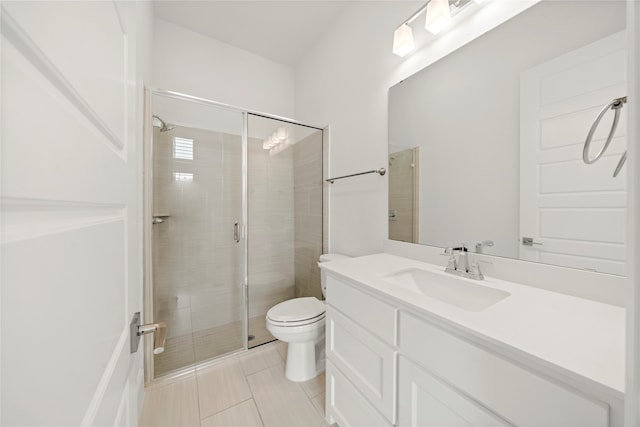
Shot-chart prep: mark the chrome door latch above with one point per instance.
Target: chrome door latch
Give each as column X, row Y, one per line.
column 528, row 241
column 136, row 330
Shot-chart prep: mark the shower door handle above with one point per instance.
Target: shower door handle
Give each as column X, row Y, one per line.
column 236, row 232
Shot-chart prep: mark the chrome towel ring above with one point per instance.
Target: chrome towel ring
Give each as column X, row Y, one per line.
column 616, row 105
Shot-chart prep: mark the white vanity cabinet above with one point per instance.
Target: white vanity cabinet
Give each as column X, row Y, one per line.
column 361, row 357
column 456, row 378
column 390, row 364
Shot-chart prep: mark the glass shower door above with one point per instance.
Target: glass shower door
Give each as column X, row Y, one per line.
column 197, row 250
column 285, row 196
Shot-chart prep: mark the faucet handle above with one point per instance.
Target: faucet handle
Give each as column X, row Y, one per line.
column 453, row 249
column 452, row 264
column 474, row 270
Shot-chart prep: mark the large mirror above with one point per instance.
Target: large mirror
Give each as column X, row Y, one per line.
column 486, row 144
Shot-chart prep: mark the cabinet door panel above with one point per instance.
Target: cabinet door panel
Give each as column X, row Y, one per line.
column 365, row 360
column 346, row 406
column 516, row 393
column 426, row 401
column 375, row 315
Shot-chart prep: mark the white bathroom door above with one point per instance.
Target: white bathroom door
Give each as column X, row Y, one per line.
column 575, row 213
column 70, row 214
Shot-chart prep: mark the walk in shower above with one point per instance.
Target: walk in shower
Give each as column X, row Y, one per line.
column 235, row 213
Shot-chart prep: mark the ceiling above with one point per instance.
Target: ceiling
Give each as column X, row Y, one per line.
column 279, row 30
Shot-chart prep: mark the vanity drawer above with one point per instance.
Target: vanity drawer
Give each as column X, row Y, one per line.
column 366, row 361
column 376, row 316
column 346, row 406
column 509, row 390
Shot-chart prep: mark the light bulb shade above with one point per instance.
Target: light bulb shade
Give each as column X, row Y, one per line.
column 282, row 133
column 438, row 16
column 402, row 40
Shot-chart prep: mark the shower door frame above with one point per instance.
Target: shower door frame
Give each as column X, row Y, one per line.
column 148, row 213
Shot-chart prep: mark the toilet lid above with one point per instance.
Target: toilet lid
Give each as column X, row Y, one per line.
column 296, row 309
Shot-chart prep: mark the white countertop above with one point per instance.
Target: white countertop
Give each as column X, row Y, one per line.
column 582, row 337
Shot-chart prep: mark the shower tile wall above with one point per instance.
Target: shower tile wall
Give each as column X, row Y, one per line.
column 271, row 233
column 307, row 158
column 196, row 263
column 195, row 258
column 402, row 170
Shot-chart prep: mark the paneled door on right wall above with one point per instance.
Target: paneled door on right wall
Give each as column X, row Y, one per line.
column 574, row 213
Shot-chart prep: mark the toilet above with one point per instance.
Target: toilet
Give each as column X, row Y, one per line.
column 300, row 323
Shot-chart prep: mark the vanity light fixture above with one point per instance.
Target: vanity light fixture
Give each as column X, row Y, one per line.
column 403, row 40
column 438, row 16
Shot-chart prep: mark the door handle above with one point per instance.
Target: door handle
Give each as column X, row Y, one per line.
column 528, row 241
column 236, row 232
column 137, row 330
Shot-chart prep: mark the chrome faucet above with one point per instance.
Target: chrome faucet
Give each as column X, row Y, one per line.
column 459, row 263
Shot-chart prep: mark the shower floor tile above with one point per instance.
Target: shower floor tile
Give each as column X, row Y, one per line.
column 258, row 328
column 178, row 353
column 217, row 341
column 200, row 346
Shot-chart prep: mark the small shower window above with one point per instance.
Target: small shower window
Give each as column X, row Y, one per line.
column 182, row 148
column 181, row 176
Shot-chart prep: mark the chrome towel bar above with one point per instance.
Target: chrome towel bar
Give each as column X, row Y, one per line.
column 380, row 171
column 616, row 105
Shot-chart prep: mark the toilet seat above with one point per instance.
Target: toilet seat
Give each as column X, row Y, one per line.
column 291, row 324
column 297, row 312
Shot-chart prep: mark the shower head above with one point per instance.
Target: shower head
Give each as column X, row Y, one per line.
column 159, row 123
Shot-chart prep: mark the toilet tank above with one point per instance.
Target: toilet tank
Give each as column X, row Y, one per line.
column 328, row 258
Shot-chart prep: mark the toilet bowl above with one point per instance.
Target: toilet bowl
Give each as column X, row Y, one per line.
column 300, row 323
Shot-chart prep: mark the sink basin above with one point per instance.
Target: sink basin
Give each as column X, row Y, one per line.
column 462, row 293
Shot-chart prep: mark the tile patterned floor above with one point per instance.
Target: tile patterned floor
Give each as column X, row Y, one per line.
column 247, row 389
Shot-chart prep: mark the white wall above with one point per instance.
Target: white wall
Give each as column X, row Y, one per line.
column 344, row 82
column 194, row 64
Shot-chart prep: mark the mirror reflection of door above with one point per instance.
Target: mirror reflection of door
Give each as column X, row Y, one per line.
column 574, row 214
column 403, row 195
